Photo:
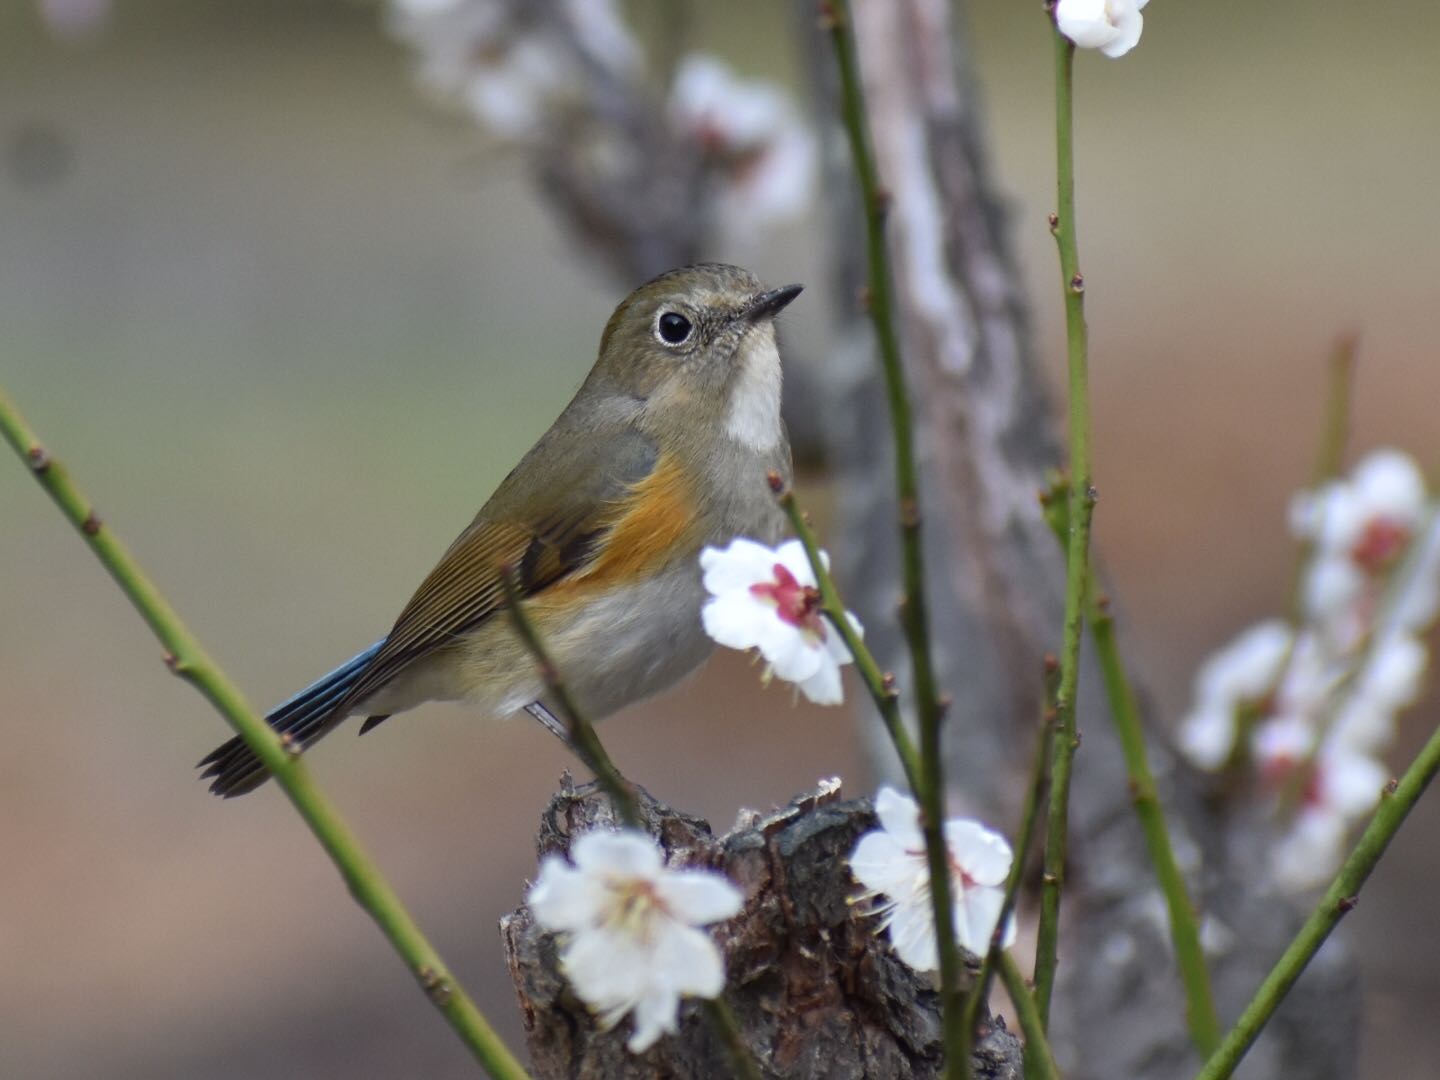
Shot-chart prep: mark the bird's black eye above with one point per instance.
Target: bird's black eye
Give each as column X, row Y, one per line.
column 673, row 327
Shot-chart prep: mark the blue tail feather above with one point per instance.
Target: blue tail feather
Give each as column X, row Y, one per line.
column 305, row 717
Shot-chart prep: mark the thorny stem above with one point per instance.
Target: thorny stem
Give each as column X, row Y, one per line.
column 1039, row 1062
column 1077, row 548
column 186, row 658
column 1396, row 802
column 880, row 684
column 930, row 709
column 1034, row 799
column 583, row 739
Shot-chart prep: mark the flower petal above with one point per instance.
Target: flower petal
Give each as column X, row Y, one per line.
column 912, row 935
column 975, row 915
column 983, row 854
column 736, row 620
column 882, row 865
column 699, row 896
column 825, row 687
column 736, row 567
column 564, row 899
column 620, row 854
column 899, row 816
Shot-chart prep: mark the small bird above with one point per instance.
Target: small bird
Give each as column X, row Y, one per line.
column 665, row 448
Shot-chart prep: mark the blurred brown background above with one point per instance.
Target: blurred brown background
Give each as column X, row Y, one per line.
column 289, row 324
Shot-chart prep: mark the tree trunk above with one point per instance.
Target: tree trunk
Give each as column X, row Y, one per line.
column 817, row 992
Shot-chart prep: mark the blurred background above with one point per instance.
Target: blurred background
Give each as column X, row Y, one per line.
column 289, row 323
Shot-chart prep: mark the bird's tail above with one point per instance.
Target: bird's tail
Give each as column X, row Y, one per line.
column 306, row 717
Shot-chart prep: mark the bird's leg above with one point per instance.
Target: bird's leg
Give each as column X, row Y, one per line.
column 550, row 722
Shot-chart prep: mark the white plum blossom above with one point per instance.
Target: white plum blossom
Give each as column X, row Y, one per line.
column 753, row 134
column 1389, row 681
column 1339, row 786
column 514, row 74
column 1240, row 674
column 1306, row 856
column 1331, row 787
column 1323, row 693
column 891, row 861
column 766, row 599
column 1360, row 528
column 630, row 925
column 1112, row 26
column 1417, row 601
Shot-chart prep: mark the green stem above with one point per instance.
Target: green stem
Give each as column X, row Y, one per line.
column 1034, row 798
column 880, row 684
column 1125, row 713
column 1077, row 548
column 592, row 752
column 1396, row 802
column 583, row 739
column 1329, row 454
column 723, row 1021
column 1039, row 1062
column 930, row 709
column 1335, row 430
column 1184, row 927
column 186, row 658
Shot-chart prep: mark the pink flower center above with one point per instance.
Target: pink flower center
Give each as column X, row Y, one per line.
column 796, row 604
column 1276, row 772
column 1380, row 544
column 958, row 874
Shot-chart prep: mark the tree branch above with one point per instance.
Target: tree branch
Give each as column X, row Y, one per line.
column 185, row 657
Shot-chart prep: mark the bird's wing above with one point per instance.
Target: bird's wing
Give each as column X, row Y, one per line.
column 548, row 538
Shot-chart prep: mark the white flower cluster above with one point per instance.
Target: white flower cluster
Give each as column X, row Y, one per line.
column 754, row 138
column 630, row 928
column 766, row 599
column 891, row 862
column 1112, row 26
column 509, row 73
column 524, row 79
column 1312, row 705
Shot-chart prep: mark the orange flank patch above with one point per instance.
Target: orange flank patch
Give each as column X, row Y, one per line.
column 649, row 525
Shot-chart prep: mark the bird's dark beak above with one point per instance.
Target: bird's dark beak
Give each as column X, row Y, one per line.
column 769, row 304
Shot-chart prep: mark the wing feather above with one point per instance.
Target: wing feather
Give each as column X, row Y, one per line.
column 548, row 543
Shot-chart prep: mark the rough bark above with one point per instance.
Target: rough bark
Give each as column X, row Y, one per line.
column 816, row 991
column 986, row 436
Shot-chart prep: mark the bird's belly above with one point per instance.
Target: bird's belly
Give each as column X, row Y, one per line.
column 634, row 641
column 612, row 649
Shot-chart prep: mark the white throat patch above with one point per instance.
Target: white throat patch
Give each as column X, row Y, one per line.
column 754, row 416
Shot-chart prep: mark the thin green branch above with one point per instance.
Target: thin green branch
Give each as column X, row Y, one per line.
column 723, row 1021
column 1034, row 799
column 1184, row 926
column 583, row 739
column 1077, row 548
column 1329, row 460
column 881, row 684
column 587, row 745
column 186, row 658
column 1125, row 714
column 1396, row 802
column 1335, row 428
column 1039, row 1062
column 929, row 707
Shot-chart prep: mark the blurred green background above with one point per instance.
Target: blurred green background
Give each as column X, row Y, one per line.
column 289, row 324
